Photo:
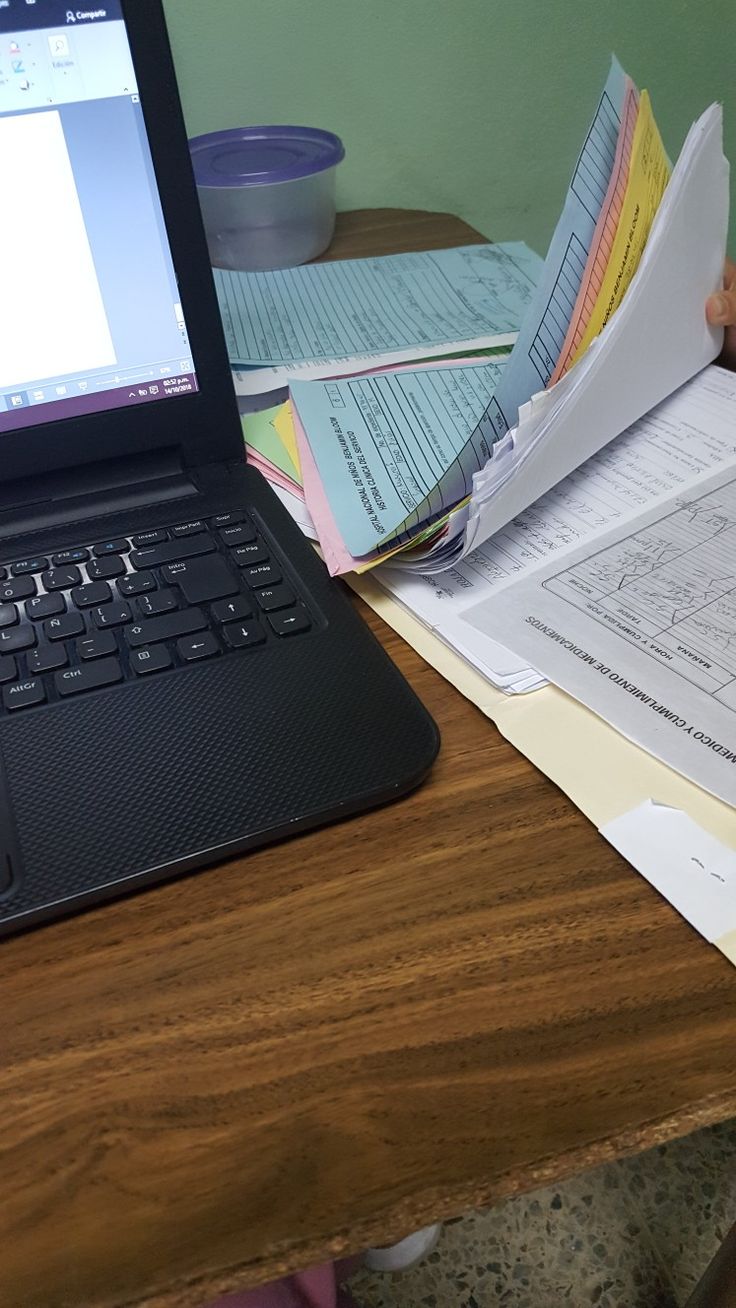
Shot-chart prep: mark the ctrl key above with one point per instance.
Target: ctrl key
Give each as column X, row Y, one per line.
column 24, row 693
column 88, row 676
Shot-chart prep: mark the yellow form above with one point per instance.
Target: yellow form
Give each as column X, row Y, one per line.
column 649, row 173
column 283, row 424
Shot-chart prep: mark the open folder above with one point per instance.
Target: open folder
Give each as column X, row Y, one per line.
column 394, row 470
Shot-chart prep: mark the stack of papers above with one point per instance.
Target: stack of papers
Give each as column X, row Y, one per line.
column 519, row 541
column 419, row 469
column 639, row 621
column 671, row 452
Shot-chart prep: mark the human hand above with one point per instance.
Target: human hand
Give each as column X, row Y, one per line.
column 720, row 311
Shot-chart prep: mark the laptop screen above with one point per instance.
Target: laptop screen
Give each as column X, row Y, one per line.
column 90, row 317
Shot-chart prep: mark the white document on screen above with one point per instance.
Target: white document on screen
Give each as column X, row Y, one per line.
column 53, row 326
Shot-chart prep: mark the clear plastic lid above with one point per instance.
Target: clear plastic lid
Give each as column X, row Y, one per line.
column 255, row 156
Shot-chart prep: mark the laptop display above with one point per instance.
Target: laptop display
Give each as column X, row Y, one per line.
column 96, row 320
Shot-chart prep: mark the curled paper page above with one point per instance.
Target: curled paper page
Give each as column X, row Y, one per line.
column 656, row 340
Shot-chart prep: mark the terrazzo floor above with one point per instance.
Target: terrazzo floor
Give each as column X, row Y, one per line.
column 632, row 1234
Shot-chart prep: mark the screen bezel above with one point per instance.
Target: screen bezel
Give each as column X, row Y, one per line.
column 203, row 426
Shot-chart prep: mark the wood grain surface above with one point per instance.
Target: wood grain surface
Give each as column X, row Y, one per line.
column 368, row 1028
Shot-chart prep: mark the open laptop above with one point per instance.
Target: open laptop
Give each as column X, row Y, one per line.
column 179, row 678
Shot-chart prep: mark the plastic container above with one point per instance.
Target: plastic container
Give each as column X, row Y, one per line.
column 267, row 194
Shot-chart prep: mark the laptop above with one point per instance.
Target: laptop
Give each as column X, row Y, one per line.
column 180, row 680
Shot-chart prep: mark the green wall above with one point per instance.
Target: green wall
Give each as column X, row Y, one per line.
column 471, row 106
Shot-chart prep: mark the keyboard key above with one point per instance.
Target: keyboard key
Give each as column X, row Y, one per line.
column 103, row 569
column 155, row 659
column 46, row 658
column 23, row 694
column 202, row 580
column 3, row 573
column 13, row 639
column 150, row 538
column 28, row 565
column 89, row 676
column 111, row 615
column 290, row 621
column 64, row 627
column 168, row 627
column 229, row 610
column 161, row 601
column 264, row 574
column 246, row 556
column 241, row 634
column 61, row 578
column 97, row 646
column 119, row 546
column 188, row 529
column 95, row 592
column 276, row 597
column 171, row 550
column 227, row 519
column 45, row 606
column 78, row 555
column 8, row 668
column 8, row 615
column 194, row 648
column 137, row 583
column 17, row 589
column 238, row 535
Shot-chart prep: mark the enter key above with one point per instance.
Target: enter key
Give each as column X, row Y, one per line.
column 201, row 580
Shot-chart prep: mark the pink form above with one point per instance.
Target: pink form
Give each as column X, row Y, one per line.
column 272, row 473
column 603, row 235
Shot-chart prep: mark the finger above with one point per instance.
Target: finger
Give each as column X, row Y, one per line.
column 729, row 275
column 720, row 309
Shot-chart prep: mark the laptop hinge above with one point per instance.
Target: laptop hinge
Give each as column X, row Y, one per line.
column 92, row 490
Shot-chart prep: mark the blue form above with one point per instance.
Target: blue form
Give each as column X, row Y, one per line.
column 357, row 306
column 545, row 326
column 396, row 450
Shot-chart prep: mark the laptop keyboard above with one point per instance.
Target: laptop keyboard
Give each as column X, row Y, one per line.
column 139, row 606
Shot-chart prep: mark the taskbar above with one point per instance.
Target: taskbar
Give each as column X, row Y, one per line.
column 22, row 413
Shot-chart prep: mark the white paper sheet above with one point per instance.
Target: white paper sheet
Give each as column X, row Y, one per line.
column 686, row 864
column 675, row 447
column 642, row 629
column 297, row 509
column 260, row 381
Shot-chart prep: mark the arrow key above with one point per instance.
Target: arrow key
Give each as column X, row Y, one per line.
column 290, row 621
column 194, row 648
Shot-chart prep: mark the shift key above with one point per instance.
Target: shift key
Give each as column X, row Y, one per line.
column 169, row 626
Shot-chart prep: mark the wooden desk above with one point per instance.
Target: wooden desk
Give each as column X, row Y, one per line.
column 424, row 1009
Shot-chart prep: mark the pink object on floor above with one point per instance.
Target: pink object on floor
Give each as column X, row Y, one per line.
column 317, row 1288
